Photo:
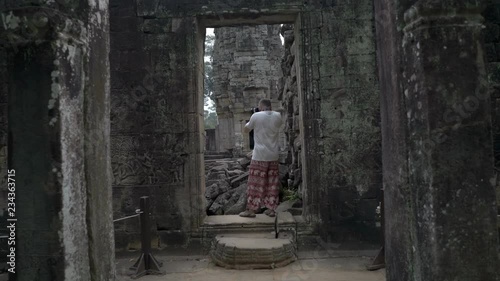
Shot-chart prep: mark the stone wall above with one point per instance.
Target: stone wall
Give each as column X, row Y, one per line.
column 289, row 96
column 156, row 114
column 438, row 168
column 157, row 111
column 246, row 65
column 492, row 57
column 339, row 98
column 54, row 73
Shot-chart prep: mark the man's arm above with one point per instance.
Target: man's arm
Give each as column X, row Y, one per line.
column 249, row 126
column 281, row 111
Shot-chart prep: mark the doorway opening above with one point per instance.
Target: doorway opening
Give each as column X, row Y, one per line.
column 244, row 64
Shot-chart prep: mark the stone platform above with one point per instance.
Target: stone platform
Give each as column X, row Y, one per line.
column 251, row 243
column 253, row 251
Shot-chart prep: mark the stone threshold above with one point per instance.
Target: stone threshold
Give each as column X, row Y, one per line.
column 253, row 242
column 261, row 223
column 284, row 218
column 233, row 224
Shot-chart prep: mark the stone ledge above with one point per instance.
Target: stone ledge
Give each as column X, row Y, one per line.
column 284, row 218
column 235, row 225
column 252, row 253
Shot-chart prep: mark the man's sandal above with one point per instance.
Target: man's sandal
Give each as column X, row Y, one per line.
column 247, row 214
column 270, row 213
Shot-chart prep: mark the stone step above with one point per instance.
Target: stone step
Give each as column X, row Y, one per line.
column 263, row 235
column 295, row 211
column 234, row 224
column 221, row 160
column 303, row 228
column 217, row 157
column 252, row 251
column 208, row 152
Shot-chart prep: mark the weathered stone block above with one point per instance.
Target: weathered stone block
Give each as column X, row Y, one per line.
column 331, row 82
column 127, row 40
column 296, row 123
column 333, row 66
column 147, row 8
column 361, row 64
column 239, row 180
column 157, row 26
column 491, row 13
column 361, row 45
column 492, row 33
column 216, row 189
column 122, row 8
column 233, row 252
column 125, row 24
column 491, row 53
column 239, row 206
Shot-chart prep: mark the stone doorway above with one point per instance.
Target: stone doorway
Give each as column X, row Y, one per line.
column 339, row 92
column 158, row 141
column 244, row 64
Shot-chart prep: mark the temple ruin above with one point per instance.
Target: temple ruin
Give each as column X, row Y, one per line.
column 247, row 68
column 389, row 105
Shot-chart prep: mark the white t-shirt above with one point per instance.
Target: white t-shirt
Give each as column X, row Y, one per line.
column 266, row 127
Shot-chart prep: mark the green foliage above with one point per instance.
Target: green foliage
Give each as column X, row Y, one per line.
column 210, row 116
column 209, row 77
column 209, row 45
column 290, row 195
column 209, row 81
column 210, row 119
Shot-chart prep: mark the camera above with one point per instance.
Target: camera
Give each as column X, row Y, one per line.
column 252, row 110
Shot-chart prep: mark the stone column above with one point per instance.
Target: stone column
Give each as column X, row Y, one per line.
column 398, row 250
column 98, row 174
column 57, row 81
column 492, row 55
column 448, row 228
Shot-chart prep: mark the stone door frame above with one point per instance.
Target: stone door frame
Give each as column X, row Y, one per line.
column 202, row 23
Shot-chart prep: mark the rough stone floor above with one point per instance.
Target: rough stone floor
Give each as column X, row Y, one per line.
column 315, row 264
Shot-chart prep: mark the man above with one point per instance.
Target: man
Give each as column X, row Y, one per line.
column 263, row 179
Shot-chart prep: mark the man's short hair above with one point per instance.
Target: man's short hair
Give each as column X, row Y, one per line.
column 266, row 103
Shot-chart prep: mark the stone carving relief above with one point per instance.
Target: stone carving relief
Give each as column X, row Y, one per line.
column 135, row 166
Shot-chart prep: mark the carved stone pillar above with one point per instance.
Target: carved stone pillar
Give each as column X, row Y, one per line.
column 57, row 86
column 438, row 155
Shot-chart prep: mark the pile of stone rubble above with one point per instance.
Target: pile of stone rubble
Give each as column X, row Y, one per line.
column 226, row 185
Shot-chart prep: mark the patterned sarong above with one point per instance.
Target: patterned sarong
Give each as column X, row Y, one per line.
column 263, row 185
